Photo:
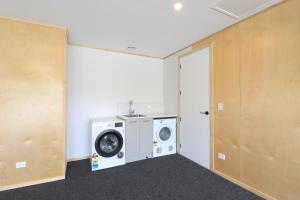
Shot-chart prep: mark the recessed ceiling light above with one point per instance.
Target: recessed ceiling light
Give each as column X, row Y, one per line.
column 131, row 48
column 178, row 6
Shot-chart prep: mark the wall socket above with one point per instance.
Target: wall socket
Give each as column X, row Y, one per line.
column 221, row 156
column 20, row 164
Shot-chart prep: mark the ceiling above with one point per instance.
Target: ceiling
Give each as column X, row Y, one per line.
column 152, row 26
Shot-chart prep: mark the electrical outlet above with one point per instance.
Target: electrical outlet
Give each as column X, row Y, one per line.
column 221, row 156
column 20, row 164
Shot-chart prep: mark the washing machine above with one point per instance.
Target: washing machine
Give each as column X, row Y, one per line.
column 164, row 136
column 107, row 143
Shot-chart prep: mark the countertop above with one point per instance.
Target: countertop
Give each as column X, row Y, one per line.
column 154, row 116
column 162, row 115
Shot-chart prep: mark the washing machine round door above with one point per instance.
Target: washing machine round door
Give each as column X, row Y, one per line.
column 109, row 143
column 164, row 134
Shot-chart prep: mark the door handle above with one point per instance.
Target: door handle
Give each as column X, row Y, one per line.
column 204, row 113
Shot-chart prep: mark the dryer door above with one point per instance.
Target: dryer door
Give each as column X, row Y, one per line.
column 164, row 134
column 109, row 143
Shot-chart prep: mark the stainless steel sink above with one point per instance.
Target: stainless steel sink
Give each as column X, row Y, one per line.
column 134, row 116
column 131, row 116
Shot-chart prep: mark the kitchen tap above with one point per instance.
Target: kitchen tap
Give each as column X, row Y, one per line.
column 131, row 111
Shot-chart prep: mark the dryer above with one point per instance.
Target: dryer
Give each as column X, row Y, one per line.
column 164, row 136
column 107, row 143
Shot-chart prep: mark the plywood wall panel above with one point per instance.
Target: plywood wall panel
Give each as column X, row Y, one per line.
column 269, row 77
column 256, row 74
column 226, row 91
column 32, row 101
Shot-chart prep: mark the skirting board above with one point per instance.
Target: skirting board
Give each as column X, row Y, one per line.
column 30, row 183
column 245, row 186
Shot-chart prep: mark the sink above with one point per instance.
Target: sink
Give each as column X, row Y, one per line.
column 131, row 116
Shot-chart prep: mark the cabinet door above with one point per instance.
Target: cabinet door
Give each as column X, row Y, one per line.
column 132, row 138
column 146, row 137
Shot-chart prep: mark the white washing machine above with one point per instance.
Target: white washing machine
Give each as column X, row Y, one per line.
column 108, row 143
column 164, row 136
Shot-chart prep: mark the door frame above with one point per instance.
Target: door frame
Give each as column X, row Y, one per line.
column 211, row 106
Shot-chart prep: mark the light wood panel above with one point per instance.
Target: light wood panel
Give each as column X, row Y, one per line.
column 32, row 102
column 256, row 73
column 226, row 91
column 270, row 91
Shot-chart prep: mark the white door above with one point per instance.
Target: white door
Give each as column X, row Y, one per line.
column 194, row 107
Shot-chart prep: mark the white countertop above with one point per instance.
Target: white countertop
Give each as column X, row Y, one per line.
column 160, row 115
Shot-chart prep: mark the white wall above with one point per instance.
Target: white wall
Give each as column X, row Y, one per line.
column 171, row 82
column 100, row 84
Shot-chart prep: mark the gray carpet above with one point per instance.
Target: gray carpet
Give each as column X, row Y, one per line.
column 166, row 178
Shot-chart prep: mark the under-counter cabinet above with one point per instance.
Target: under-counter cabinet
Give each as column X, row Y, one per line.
column 139, row 139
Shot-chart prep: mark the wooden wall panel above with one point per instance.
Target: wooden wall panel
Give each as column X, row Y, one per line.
column 256, row 74
column 270, row 91
column 32, row 102
column 226, row 91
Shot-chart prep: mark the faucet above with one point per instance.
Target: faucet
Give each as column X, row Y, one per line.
column 131, row 111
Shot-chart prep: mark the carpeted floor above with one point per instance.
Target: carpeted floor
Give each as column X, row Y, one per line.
column 166, row 178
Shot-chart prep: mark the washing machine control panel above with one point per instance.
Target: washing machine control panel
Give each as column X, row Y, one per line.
column 108, row 125
column 99, row 126
column 118, row 124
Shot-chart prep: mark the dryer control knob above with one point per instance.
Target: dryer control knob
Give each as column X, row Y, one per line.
column 120, row 155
